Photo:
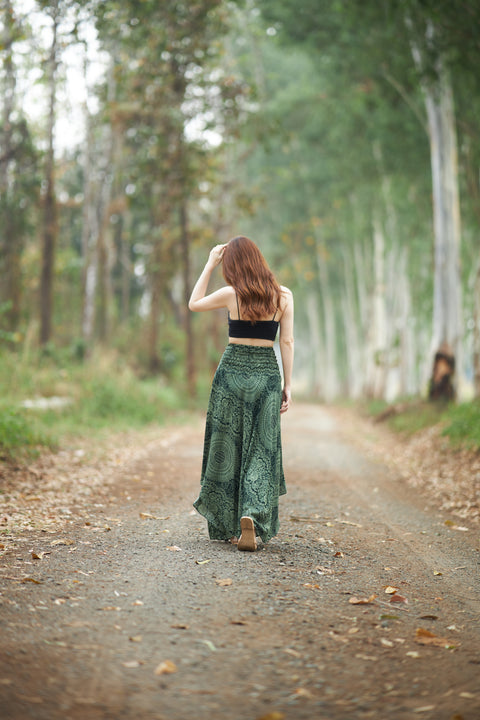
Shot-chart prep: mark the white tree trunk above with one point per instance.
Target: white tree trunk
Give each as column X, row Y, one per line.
column 408, row 383
column 355, row 364
column 89, row 235
column 377, row 335
column 447, row 295
column 476, row 335
column 317, row 384
column 330, row 371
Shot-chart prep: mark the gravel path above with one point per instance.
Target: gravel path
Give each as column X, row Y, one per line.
column 366, row 605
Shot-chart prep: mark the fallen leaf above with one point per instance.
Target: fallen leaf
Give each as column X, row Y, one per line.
column 362, row 601
column 131, row 664
column 398, row 598
column 437, row 572
column 174, row 548
column 312, row 586
column 167, row 667
column 425, row 637
column 339, row 553
column 425, row 708
column 325, row 570
column 272, row 716
column 467, row 695
column 390, row 590
column 30, row 579
column 209, row 644
column 136, row 638
column 180, row 626
column 291, row 651
column 147, row 516
column 413, row 654
column 202, row 562
column 372, row 658
column 238, row 622
column 137, row 602
column 303, row 692
column 37, row 556
column 111, row 607
column 428, row 617
column 386, row 643
column 225, row 582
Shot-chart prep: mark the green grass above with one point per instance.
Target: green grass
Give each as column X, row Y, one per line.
column 104, row 396
column 463, row 424
column 19, row 435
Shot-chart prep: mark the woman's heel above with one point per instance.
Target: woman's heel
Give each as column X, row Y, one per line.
column 247, row 539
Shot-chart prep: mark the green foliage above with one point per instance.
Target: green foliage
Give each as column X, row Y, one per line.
column 464, row 424
column 461, row 423
column 416, row 417
column 102, row 394
column 19, row 435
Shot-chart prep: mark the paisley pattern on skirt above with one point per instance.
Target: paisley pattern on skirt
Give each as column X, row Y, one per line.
column 242, row 471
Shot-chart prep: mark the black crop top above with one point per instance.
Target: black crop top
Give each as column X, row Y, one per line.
column 260, row 329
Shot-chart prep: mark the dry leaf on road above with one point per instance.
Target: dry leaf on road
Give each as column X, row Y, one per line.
column 167, row 667
column 425, row 637
column 362, row 601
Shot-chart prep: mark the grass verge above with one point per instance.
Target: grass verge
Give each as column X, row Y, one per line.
column 460, row 423
column 46, row 405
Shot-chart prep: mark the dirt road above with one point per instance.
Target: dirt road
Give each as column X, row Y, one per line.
column 366, row 605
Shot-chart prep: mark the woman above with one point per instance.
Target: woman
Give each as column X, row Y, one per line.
column 242, row 473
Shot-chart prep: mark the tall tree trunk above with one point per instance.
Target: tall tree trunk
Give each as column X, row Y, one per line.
column 331, row 371
column 189, row 338
column 89, row 236
column 447, row 300
column 123, row 245
column 376, row 372
column 408, row 384
column 155, row 300
column 355, row 365
column 476, row 335
column 104, row 240
column 317, row 384
column 10, row 242
column 49, row 200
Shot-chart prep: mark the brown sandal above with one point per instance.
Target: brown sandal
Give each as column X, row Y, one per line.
column 247, row 539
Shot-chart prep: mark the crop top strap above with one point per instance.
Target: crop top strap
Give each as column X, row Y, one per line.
column 275, row 314
column 238, row 309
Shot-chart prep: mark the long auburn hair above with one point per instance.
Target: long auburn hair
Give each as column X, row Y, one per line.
column 246, row 270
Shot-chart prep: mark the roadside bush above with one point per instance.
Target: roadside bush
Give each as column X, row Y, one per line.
column 464, row 424
column 17, row 433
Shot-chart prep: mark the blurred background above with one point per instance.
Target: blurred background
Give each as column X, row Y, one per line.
column 342, row 137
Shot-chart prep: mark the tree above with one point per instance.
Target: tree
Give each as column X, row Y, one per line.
column 49, row 222
column 18, row 175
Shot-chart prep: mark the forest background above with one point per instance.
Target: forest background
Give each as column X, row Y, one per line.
column 343, row 137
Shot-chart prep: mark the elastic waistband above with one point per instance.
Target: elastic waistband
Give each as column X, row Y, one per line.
column 240, row 348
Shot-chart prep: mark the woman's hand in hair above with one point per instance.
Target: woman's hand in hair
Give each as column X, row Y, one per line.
column 216, row 255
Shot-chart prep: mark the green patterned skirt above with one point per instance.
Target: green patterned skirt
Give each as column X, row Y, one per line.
column 242, row 472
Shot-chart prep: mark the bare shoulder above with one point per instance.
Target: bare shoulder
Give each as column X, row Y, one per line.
column 287, row 297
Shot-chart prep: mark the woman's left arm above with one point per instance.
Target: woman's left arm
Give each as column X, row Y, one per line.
column 218, row 299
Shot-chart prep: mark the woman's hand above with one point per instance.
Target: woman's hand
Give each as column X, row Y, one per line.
column 216, row 255
column 286, row 398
